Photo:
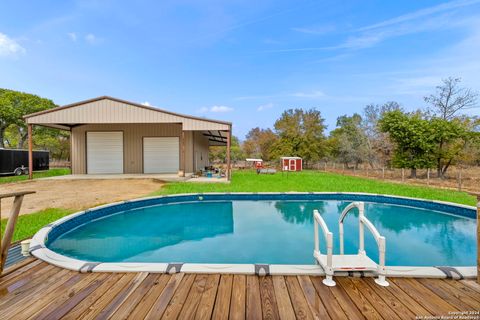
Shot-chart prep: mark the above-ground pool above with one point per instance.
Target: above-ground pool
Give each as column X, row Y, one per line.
column 263, row 229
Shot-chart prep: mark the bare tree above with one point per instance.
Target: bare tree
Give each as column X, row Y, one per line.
column 450, row 98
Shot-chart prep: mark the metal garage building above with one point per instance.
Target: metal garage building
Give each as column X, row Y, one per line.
column 110, row 135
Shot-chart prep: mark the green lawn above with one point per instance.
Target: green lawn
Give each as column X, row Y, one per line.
column 28, row 225
column 249, row 181
column 36, row 175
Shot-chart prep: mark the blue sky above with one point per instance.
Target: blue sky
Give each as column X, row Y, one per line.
column 242, row 61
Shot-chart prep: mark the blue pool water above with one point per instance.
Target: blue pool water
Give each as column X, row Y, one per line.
column 271, row 232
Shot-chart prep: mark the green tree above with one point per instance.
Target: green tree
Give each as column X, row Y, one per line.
column 13, row 106
column 454, row 132
column 351, row 142
column 300, row 133
column 414, row 139
column 219, row 153
column 259, row 143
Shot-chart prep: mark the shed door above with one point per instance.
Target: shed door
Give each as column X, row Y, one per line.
column 104, row 152
column 293, row 165
column 161, row 154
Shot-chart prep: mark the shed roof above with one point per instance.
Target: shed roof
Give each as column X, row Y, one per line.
column 107, row 109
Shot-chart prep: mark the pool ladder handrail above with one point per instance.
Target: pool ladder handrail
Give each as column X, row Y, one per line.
column 380, row 240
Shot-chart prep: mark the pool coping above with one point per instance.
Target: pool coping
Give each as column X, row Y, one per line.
column 39, row 250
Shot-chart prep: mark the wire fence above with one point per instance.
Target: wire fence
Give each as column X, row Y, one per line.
column 462, row 178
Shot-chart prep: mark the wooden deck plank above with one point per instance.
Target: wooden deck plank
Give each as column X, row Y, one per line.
column 134, row 298
column 47, row 292
column 375, row 300
column 253, row 301
column 465, row 292
column 224, row 294
column 74, row 298
column 30, row 299
column 48, row 303
column 300, row 304
column 100, row 304
column 432, row 302
column 331, row 303
column 207, row 301
column 285, row 308
column 81, row 307
column 238, row 302
column 413, row 305
column 472, row 284
column 314, row 302
column 24, row 262
column 122, row 296
column 163, row 299
column 21, row 272
column 450, row 294
column 178, row 299
column 267, row 295
column 9, row 295
column 193, row 299
column 358, row 298
column 16, row 283
column 393, row 302
column 144, row 305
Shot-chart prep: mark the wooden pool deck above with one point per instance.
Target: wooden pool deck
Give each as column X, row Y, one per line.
column 36, row 290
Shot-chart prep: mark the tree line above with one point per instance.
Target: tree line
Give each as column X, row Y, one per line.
column 437, row 136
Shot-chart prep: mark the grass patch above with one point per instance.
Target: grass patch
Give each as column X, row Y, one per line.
column 309, row 181
column 36, row 175
column 29, row 224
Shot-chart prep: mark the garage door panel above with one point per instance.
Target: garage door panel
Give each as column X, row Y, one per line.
column 161, row 154
column 104, row 152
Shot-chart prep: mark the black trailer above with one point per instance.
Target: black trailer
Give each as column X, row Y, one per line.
column 15, row 161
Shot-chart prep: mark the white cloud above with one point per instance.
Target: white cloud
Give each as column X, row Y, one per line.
column 146, row 103
column 91, row 38
column 265, row 106
column 215, row 109
column 444, row 7
column 221, row 109
column 309, row 95
column 72, row 36
column 10, row 47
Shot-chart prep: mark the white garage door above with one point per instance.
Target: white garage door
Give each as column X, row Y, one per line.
column 104, row 152
column 161, row 155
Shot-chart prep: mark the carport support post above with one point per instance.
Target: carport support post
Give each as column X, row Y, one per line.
column 182, row 153
column 30, row 151
column 229, row 138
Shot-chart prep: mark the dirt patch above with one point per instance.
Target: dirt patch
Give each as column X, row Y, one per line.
column 76, row 194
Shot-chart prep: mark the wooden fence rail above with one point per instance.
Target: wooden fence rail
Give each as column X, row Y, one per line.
column 12, row 220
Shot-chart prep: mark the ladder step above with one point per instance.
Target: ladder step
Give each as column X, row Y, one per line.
column 349, row 262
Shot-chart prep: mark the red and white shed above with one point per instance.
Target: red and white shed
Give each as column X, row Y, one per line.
column 291, row 163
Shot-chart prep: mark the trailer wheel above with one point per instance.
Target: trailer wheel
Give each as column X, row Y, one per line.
column 18, row 172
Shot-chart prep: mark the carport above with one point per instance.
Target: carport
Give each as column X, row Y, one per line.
column 114, row 136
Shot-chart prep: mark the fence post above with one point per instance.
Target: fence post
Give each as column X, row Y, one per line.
column 383, row 173
column 343, row 168
column 459, row 178
column 325, row 166
column 367, row 171
column 478, row 238
column 477, row 194
column 428, row 176
column 403, row 175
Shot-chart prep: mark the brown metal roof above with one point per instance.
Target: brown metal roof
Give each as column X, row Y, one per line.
column 125, row 102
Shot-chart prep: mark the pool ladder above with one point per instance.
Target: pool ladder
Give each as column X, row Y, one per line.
column 349, row 262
